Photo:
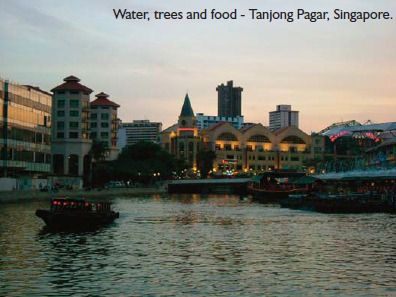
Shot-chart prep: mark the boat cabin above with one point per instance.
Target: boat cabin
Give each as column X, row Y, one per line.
column 76, row 204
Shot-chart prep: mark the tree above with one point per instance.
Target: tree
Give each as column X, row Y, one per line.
column 205, row 160
column 144, row 159
column 98, row 150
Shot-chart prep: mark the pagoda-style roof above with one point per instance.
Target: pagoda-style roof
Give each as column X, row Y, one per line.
column 102, row 100
column 187, row 110
column 72, row 83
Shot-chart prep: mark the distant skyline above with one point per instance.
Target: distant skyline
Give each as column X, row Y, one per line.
column 330, row 72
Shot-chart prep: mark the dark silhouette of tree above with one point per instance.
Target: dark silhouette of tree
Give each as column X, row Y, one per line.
column 98, row 150
column 205, row 160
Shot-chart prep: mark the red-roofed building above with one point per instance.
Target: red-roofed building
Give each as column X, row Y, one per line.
column 71, row 144
column 104, row 124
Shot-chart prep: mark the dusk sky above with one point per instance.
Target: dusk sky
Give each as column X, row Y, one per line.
column 329, row 71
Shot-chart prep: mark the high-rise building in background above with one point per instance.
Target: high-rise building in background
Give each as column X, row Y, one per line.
column 229, row 100
column 25, row 129
column 139, row 130
column 104, row 124
column 70, row 129
column 283, row 117
column 204, row 121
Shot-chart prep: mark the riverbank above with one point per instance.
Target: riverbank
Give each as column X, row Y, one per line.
column 18, row 196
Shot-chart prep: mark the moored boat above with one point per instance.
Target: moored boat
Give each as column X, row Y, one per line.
column 66, row 213
column 276, row 186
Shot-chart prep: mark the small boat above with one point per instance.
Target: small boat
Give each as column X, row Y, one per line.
column 67, row 213
column 276, row 186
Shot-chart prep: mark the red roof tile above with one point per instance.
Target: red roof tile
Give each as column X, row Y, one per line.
column 101, row 100
column 72, row 83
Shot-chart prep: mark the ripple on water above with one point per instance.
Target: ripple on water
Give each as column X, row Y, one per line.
column 200, row 246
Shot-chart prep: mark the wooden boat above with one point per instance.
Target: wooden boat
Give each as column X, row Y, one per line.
column 66, row 213
column 273, row 193
column 276, row 186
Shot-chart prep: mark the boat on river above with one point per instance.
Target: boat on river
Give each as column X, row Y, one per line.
column 67, row 213
column 276, row 186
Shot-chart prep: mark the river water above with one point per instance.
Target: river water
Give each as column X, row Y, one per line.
column 200, row 246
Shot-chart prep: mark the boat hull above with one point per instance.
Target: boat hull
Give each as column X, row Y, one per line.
column 76, row 220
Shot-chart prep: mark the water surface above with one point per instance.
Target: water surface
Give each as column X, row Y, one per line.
column 200, row 246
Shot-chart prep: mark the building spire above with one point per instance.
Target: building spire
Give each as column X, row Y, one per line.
column 187, row 110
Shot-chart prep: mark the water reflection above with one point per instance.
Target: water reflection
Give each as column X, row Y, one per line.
column 199, row 245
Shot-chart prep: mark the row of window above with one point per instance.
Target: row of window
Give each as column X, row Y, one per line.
column 102, row 124
column 16, row 154
column 75, row 135
column 72, row 113
column 73, row 103
column 75, row 125
column 103, row 116
column 103, row 135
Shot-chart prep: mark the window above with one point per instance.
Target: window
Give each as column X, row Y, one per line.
column 74, row 113
column 74, row 103
column 94, row 125
column 60, row 125
column 104, row 116
column 73, row 135
column 61, row 113
column 94, row 116
column 104, row 135
column 73, row 125
column 93, row 135
column 104, row 125
column 294, row 159
column 60, row 135
column 61, row 103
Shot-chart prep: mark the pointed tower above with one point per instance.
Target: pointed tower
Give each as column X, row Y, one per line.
column 187, row 134
column 187, row 121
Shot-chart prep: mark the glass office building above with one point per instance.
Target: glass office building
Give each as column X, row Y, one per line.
column 25, row 129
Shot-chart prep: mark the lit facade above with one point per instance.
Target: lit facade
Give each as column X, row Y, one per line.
column 25, row 129
column 71, row 144
column 182, row 139
column 229, row 100
column 251, row 148
column 204, row 121
column 104, row 124
column 256, row 148
column 283, row 117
